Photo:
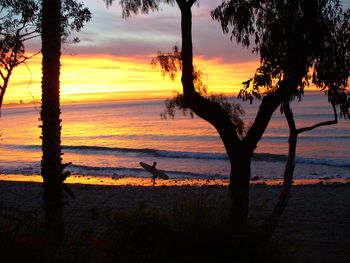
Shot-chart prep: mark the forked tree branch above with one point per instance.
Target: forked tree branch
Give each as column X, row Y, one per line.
column 183, row 3
column 191, row 2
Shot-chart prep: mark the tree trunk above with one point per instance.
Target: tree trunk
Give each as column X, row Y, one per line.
column 4, row 87
column 239, row 186
column 51, row 168
column 270, row 224
column 2, row 93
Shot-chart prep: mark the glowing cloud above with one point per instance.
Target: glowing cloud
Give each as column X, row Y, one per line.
column 103, row 77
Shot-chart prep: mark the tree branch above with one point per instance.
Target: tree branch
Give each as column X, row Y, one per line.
column 31, row 37
column 205, row 109
column 266, row 109
column 289, row 117
column 29, row 33
column 4, row 64
column 2, row 75
column 26, row 58
column 335, row 121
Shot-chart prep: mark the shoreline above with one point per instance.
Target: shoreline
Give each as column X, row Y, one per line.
column 144, row 181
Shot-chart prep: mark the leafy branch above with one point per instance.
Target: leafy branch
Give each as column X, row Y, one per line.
column 171, row 64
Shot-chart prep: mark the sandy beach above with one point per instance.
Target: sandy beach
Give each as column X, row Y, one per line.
column 317, row 219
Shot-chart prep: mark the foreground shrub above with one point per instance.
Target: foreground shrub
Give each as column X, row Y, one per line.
column 187, row 235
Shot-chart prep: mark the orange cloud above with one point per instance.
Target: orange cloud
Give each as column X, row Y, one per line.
column 104, row 77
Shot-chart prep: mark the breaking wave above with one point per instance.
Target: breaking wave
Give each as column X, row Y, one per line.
column 155, row 153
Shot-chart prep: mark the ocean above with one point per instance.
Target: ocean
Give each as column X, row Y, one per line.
column 109, row 139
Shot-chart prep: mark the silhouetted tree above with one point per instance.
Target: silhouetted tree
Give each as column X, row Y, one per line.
column 18, row 23
column 51, row 167
column 270, row 224
column 290, row 36
column 334, row 80
column 55, row 26
column 293, row 39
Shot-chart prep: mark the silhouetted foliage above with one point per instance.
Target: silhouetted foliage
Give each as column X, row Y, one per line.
column 298, row 46
column 135, row 6
column 74, row 16
column 332, row 69
column 301, row 43
column 18, row 20
column 307, row 41
column 170, row 64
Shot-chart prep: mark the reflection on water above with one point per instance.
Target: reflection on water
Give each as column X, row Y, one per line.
column 110, row 139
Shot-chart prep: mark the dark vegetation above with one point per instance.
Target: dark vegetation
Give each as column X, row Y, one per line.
column 191, row 234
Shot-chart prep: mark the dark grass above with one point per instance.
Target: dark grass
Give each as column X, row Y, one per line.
column 189, row 234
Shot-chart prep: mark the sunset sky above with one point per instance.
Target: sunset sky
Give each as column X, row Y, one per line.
column 112, row 61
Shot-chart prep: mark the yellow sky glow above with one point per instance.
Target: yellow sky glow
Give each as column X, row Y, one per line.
column 104, row 77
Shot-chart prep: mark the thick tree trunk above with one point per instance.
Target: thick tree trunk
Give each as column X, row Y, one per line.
column 51, row 168
column 239, row 186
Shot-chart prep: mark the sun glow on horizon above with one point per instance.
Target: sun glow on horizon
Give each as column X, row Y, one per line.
column 106, row 77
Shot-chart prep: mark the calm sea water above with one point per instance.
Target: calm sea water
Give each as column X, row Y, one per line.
column 111, row 138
